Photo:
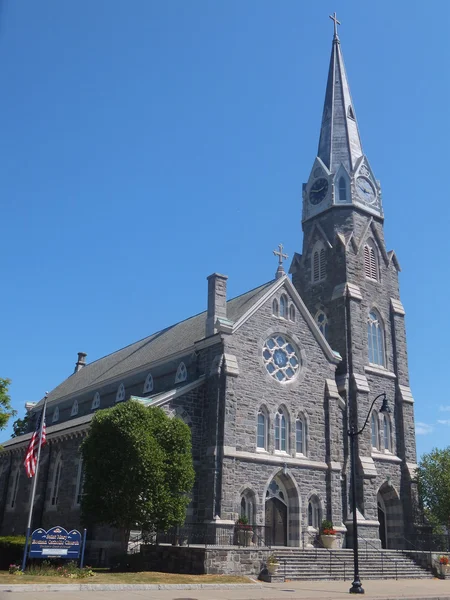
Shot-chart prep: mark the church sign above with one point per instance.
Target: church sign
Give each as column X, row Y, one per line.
column 56, row 542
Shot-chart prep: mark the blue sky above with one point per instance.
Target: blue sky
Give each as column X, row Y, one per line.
column 145, row 145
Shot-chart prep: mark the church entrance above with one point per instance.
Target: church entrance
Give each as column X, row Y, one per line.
column 282, row 524
column 390, row 517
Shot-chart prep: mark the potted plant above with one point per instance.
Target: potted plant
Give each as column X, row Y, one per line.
column 244, row 531
column 272, row 564
column 327, row 534
column 443, row 566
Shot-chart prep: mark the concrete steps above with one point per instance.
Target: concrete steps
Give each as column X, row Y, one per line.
column 320, row 564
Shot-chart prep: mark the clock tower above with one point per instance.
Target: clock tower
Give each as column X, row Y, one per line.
column 349, row 282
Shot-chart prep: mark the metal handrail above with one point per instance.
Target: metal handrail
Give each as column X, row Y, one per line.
column 318, row 541
column 383, row 556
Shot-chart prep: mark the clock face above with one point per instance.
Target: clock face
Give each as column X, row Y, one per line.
column 318, row 191
column 365, row 190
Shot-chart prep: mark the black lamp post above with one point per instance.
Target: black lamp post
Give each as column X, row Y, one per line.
column 352, row 433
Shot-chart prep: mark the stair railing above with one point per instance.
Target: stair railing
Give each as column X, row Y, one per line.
column 383, row 557
column 416, row 549
column 316, row 543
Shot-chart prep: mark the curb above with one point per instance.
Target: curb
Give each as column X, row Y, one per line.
column 118, row 587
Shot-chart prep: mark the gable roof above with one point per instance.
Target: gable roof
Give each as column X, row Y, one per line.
column 171, row 340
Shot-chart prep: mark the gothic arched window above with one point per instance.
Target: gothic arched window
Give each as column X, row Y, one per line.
column 275, row 307
column 181, row 373
column 314, row 512
column 387, row 433
column 318, row 262
column 148, row 385
column 281, row 431
column 96, row 401
column 374, row 427
column 15, row 488
column 370, row 261
column 375, row 336
column 300, row 435
column 80, row 481
column 322, row 323
column 292, row 313
column 284, row 307
column 342, row 189
column 120, row 395
column 261, row 436
column 247, row 508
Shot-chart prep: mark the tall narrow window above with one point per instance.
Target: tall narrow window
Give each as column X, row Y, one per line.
column 292, row 313
column 314, row 512
column 370, row 262
column 120, row 395
column 55, row 415
column 56, row 481
column 374, row 424
column 15, row 488
column 318, row 262
column 148, row 385
column 181, row 373
column 74, row 410
column 262, row 431
column 300, row 430
column 247, row 508
column 342, row 189
column 80, row 481
column 275, row 307
column 284, row 307
column 375, row 336
column 387, row 432
column 280, row 431
column 322, row 323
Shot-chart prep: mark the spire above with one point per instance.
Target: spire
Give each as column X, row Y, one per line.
column 339, row 136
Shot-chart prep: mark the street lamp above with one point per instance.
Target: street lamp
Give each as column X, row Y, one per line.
column 352, row 433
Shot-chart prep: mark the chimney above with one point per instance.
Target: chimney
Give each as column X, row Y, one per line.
column 81, row 362
column 217, row 302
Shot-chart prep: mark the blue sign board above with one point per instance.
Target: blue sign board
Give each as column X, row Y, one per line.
column 56, row 542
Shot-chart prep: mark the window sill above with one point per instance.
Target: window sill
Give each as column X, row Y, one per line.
column 300, row 455
column 379, row 370
column 262, row 450
column 281, row 453
column 386, row 456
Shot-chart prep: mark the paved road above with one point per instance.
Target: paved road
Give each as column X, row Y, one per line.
column 301, row 590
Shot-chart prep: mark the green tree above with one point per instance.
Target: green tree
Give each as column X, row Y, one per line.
column 138, row 469
column 20, row 426
column 6, row 410
column 433, row 477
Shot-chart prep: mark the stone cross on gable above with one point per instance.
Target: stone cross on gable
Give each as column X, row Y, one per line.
column 336, row 23
column 281, row 257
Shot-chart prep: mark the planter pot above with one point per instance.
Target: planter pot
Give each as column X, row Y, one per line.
column 273, row 568
column 444, row 571
column 328, row 541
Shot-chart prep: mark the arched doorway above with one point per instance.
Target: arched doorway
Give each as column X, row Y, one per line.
column 390, row 517
column 282, row 511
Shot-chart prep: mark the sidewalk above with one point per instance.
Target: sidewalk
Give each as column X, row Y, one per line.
column 425, row 589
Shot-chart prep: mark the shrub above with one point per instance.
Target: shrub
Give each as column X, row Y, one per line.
column 443, row 560
column 11, row 550
column 327, row 528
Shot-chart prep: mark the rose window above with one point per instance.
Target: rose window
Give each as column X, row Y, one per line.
column 280, row 358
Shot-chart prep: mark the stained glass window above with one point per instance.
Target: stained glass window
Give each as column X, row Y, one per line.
column 280, row 358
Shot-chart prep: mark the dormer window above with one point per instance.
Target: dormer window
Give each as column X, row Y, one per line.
column 350, row 113
column 95, row 401
column 318, row 263
column 148, row 385
column 181, row 373
column 120, row 396
column 74, row 410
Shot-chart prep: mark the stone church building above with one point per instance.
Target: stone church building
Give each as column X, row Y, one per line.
column 269, row 382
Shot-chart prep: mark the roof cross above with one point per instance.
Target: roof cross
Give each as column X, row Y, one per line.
column 280, row 255
column 336, row 23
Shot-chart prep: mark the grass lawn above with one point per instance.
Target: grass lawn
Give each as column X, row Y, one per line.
column 105, row 577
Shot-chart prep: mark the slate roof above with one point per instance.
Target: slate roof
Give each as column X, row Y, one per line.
column 155, row 347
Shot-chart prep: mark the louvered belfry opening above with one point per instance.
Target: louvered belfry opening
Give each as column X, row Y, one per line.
column 318, row 264
column 370, row 263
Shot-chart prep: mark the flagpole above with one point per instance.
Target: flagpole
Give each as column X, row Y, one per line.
column 33, row 487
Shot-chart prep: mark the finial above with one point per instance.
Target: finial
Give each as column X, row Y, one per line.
column 336, row 23
column 280, row 271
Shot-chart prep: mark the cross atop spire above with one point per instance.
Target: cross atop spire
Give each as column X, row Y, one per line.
column 281, row 256
column 336, row 23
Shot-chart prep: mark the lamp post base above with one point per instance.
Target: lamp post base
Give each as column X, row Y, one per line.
column 356, row 587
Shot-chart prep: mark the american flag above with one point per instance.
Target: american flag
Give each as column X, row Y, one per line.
column 32, row 450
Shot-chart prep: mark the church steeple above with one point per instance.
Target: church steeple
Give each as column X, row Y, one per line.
column 341, row 174
column 339, row 136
